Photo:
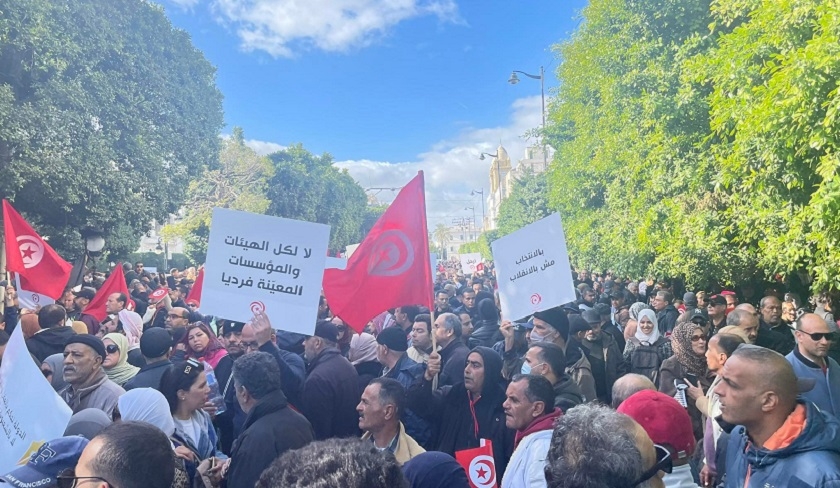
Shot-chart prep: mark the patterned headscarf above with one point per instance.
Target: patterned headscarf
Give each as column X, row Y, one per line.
column 635, row 309
column 681, row 343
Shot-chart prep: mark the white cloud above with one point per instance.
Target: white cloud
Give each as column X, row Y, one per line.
column 284, row 27
column 452, row 167
column 185, row 4
column 263, row 148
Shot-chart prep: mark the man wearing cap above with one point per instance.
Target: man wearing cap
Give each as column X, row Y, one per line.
column 331, row 390
column 89, row 386
column 717, row 313
column 81, row 299
column 53, row 335
column 605, row 358
column 607, row 326
column 779, row 440
column 668, row 425
column 155, row 345
column 810, row 361
column 44, row 466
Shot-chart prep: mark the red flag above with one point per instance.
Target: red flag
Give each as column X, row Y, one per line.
column 195, row 291
column 114, row 284
column 479, row 465
column 390, row 268
column 32, row 258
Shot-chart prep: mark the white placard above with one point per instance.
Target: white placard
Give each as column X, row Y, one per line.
column 469, row 262
column 335, row 263
column 262, row 263
column 532, row 268
column 31, row 412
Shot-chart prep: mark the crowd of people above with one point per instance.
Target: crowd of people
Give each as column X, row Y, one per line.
column 626, row 386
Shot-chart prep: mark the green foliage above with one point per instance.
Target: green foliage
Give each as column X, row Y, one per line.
column 106, row 113
column 308, row 187
column 527, row 203
column 482, row 244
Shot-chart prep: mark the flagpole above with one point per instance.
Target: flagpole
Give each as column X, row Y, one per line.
column 434, row 344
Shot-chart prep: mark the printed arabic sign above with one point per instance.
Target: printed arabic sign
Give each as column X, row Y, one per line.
column 532, row 267
column 469, row 262
column 261, row 263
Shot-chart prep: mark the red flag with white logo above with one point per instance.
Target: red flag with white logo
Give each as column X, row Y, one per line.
column 38, row 265
column 479, row 465
column 195, row 291
column 114, row 284
column 391, row 266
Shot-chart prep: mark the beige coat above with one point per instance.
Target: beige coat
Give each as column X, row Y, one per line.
column 407, row 447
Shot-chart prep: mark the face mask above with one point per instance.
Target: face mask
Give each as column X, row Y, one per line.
column 535, row 337
column 526, row 368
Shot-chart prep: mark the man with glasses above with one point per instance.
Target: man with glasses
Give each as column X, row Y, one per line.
column 603, row 448
column 810, row 360
column 779, row 440
column 124, row 455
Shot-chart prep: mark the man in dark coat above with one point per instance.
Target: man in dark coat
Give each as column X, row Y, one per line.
column 453, row 352
column 155, row 345
column 271, row 428
column 53, row 334
column 666, row 313
column 457, row 410
column 331, row 390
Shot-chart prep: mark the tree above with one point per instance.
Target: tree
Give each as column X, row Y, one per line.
column 441, row 237
column 238, row 181
column 308, row 187
column 106, row 114
column 527, row 202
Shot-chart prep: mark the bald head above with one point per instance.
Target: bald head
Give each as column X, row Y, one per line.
column 627, row 385
column 747, row 307
column 770, row 372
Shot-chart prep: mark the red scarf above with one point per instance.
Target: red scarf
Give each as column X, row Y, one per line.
column 546, row 422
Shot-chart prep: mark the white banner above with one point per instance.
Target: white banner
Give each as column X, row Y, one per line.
column 262, row 263
column 469, row 262
column 30, row 299
column 532, row 268
column 335, row 263
column 31, row 412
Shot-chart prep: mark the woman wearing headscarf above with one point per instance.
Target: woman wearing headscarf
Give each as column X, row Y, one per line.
column 150, row 406
column 486, row 328
column 632, row 322
column 115, row 362
column 647, row 349
column 53, row 369
column 687, row 364
column 362, row 355
column 435, row 470
column 132, row 326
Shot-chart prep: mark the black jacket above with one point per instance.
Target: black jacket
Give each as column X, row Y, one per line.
column 449, row 410
column 271, row 429
column 486, row 328
column 330, row 395
column 667, row 319
column 49, row 341
column 567, row 394
column 148, row 376
column 453, row 359
column 367, row 371
column 769, row 338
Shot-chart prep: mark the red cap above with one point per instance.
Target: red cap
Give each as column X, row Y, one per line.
column 663, row 418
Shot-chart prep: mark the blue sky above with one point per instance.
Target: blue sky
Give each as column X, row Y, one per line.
column 386, row 86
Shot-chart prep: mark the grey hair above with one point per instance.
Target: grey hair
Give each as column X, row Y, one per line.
column 737, row 317
column 451, row 322
column 636, row 308
column 258, row 372
column 593, row 446
column 627, row 385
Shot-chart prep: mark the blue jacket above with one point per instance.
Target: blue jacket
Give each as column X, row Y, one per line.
column 407, row 371
column 811, row 460
column 826, row 391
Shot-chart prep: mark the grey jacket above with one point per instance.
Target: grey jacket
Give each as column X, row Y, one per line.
column 100, row 393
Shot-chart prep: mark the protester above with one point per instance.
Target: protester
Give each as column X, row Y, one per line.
column 486, row 327
column 601, row 313
column 87, row 423
column 81, row 299
column 717, row 313
column 764, row 336
column 346, row 463
column 529, row 410
column 810, row 361
column 779, row 440
column 88, row 385
column 687, row 368
column 647, row 349
column 593, row 446
column 421, row 338
column 435, row 470
column 627, row 386
column 547, row 359
column 156, row 346
column 468, row 303
column 132, row 327
column 331, row 390
column 43, row 468
column 746, row 321
column 345, row 336
column 666, row 313
column 271, row 427
column 126, row 455
column 470, row 410
column 605, row 359
column 363, row 356
column 453, row 352
column 53, row 333
column 441, row 303
column 256, row 336
column 116, row 359
column 667, row 424
column 203, row 345
column 380, row 410
column 404, row 317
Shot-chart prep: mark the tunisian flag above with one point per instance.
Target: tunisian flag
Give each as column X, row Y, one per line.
column 40, row 268
column 195, row 291
column 114, row 284
column 390, row 268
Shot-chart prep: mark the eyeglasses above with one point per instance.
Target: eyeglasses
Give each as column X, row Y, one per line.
column 175, row 316
column 112, row 349
column 68, row 479
column 698, row 338
column 818, row 336
column 251, row 345
column 663, row 463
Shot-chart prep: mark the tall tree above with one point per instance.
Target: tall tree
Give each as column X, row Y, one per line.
column 106, row 114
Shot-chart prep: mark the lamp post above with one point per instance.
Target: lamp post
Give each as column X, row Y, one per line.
column 165, row 249
column 94, row 244
column 473, row 220
column 498, row 172
column 514, row 80
column 480, row 192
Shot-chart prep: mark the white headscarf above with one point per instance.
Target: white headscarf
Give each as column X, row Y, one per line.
column 654, row 335
column 147, row 405
column 362, row 348
column 132, row 326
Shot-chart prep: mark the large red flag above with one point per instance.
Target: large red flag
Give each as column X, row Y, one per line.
column 114, row 284
column 195, row 291
column 390, row 268
column 38, row 265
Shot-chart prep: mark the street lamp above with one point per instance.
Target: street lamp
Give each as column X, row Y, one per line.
column 473, row 219
column 514, row 80
column 480, row 192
